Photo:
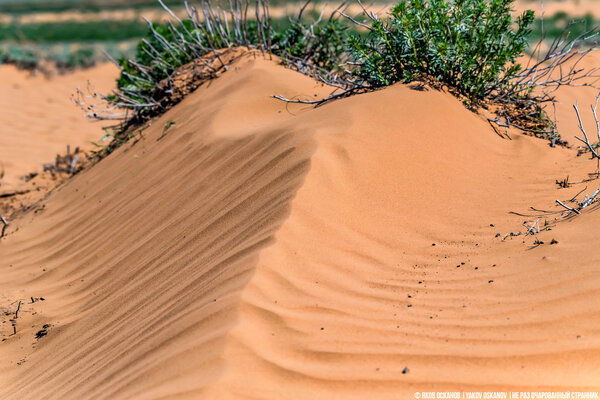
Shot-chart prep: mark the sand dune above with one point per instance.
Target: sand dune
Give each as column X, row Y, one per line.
column 39, row 119
column 268, row 251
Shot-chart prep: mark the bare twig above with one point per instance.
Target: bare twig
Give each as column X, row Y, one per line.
column 591, row 199
column 4, row 225
column 531, row 229
column 299, row 17
column 12, row 194
column 501, row 124
column 317, row 103
column 592, row 147
column 568, row 208
column 354, row 21
column 574, row 198
column 72, row 164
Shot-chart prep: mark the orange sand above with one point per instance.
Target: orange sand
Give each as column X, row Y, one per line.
column 270, row 251
column 39, row 119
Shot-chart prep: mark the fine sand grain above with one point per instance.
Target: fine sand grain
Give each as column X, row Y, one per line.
column 261, row 250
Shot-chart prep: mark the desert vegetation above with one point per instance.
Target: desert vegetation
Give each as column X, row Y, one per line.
column 62, row 58
column 474, row 48
column 30, row 37
column 178, row 56
column 469, row 45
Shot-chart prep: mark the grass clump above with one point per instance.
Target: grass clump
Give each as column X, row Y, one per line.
column 323, row 44
column 469, row 45
column 196, row 48
column 167, row 47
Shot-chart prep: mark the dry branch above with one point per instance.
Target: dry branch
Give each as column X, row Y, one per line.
column 568, row 208
column 317, row 103
column 4, row 225
column 592, row 147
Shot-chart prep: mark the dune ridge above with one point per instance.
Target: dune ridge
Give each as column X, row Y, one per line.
column 263, row 250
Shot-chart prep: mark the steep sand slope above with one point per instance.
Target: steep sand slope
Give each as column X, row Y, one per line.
column 141, row 259
column 268, row 251
column 39, row 119
column 354, row 292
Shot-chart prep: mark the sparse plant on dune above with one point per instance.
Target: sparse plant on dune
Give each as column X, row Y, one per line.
column 179, row 55
column 467, row 44
column 473, row 48
column 550, row 66
column 574, row 206
column 166, row 127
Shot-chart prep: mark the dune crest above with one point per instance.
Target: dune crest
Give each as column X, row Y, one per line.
column 257, row 249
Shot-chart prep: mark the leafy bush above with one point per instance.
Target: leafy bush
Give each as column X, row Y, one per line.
column 470, row 45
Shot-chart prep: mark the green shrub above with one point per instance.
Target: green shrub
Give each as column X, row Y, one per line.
column 470, row 45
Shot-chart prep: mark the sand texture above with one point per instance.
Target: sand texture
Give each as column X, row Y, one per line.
column 39, row 118
column 260, row 250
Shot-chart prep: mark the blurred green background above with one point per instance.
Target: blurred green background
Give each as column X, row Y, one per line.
column 68, row 34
